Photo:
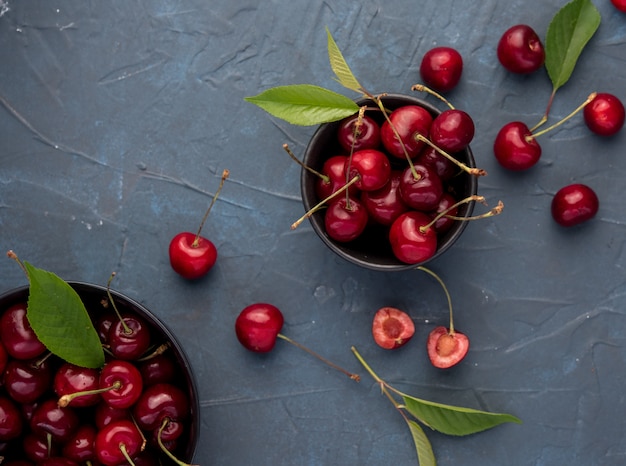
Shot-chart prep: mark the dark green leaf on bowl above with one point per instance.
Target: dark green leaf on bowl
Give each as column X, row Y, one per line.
column 60, row 321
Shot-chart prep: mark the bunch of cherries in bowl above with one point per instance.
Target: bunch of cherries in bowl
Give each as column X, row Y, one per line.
column 137, row 409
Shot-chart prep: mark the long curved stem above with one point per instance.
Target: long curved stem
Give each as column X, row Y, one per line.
column 445, row 290
column 225, row 175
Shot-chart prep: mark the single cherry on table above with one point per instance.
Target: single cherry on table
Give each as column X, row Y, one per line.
column 520, row 49
column 441, row 68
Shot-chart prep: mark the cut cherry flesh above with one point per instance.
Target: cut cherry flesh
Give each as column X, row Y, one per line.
column 445, row 348
column 392, row 328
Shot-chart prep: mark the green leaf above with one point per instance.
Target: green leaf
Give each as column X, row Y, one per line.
column 425, row 455
column 344, row 75
column 454, row 420
column 304, row 104
column 59, row 319
column 568, row 33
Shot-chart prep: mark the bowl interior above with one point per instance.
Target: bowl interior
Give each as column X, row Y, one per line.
column 92, row 297
column 372, row 249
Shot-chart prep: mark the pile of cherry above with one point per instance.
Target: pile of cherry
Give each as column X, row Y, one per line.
column 55, row 413
column 413, row 202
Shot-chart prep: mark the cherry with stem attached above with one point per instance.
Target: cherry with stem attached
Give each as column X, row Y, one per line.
column 258, row 327
column 192, row 255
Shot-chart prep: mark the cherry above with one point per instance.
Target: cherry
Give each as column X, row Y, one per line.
column 103, row 326
column 129, row 337
column 4, row 357
column 121, row 384
column 407, row 121
column 70, row 378
column 442, row 166
column 420, row 188
column 574, row 204
column 159, row 368
column 17, row 335
column 258, row 326
column 620, row 5
column 333, row 177
column 118, row 442
column 392, row 328
column 446, row 204
column 452, row 130
column 441, row 68
column 520, row 50
column 158, row 402
column 412, row 241
column 57, row 461
column 38, row 449
column 385, row 204
column 515, row 147
column 11, row 421
column 604, row 115
column 345, row 219
column 105, row 414
column 81, row 445
column 372, row 168
column 26, row 381
column 446, row 348
column 358, row 132
column 192, row 255
column 56, row 422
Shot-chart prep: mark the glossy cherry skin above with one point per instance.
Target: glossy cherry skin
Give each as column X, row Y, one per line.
column 189, row 260
column 441, row 68
column 70, row 378
column 392, row 328
column 26, row 381
column 105, row 414
column 17, row 335
column 574, row 204
column 452, row 130
column 371, row 166
column 442, row 166
column 351, row 139
column 11, row 420
column 604, row 115
column 446, row 349
column 57, row 461
column 158, row 402
column 443, row 224
column 409, row 243
column 81, row 446
column 109, row 441
column 50, row 419
column 515, row 147
column 385, row 204
column 37, row 448
column 422, row 192
column 409, row 121
column 4, row 358
column 126, row 377
column 258, row 325
column 159, row 368
column 620, row 5
column 335, row 169
column 520, row 50
column 345, row 219
column 129, row 346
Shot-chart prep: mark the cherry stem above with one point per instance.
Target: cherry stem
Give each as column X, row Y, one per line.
column 422, row 88
column 67, row 398
column 12, row 255
column 196, row 241
column 445, row 213
column 559, row 123
column 127, row 329
column 445, row 290
column 126, row 455
column 355, row 377
column 322, row 203
column 471, row 171
column 355, row 132
column 157, row 351
column 164, row 424
column 324, row 178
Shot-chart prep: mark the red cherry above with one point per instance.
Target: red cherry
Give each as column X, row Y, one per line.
column 160, row 402
column 11, row 421
column 515, row 147
column 367, row 136
column 408, row 121
column 129, row 338
column 53, row 420
column 126, row 379
column 27, row 381
column 421, row 192
column 605, row 114
column 371, row 166
column 392, row 328
column 70, row 378
column 574, row 204
column 113, row 439
column 105, row 414
column 81, row 446
column 4, row 357
column 445, row 349
column 408, row 242
column 444, row 224
column 385, row 204
column 17, row 335
column 442, row 166
column 441, row 68
column 620, row 5
column 258, row 326
column 335, row 169
column 452, row 130
column 520, row 50
column 37, row 448
column 345, row 220
column 159, row 368
column 191, row 256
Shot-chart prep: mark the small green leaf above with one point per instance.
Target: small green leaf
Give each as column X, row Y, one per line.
column 60, row 321
column 454, row 420
column 568, row 33
column 425, row 455
column 344, row 75
column 304, row 104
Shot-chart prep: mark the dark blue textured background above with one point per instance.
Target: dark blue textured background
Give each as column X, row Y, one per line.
column 117, row 119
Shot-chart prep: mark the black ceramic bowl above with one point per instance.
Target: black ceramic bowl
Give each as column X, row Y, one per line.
column 372, row 249
column 93, row 297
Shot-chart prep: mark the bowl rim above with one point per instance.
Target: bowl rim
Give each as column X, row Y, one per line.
column 306, row 185
column 20, row 294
